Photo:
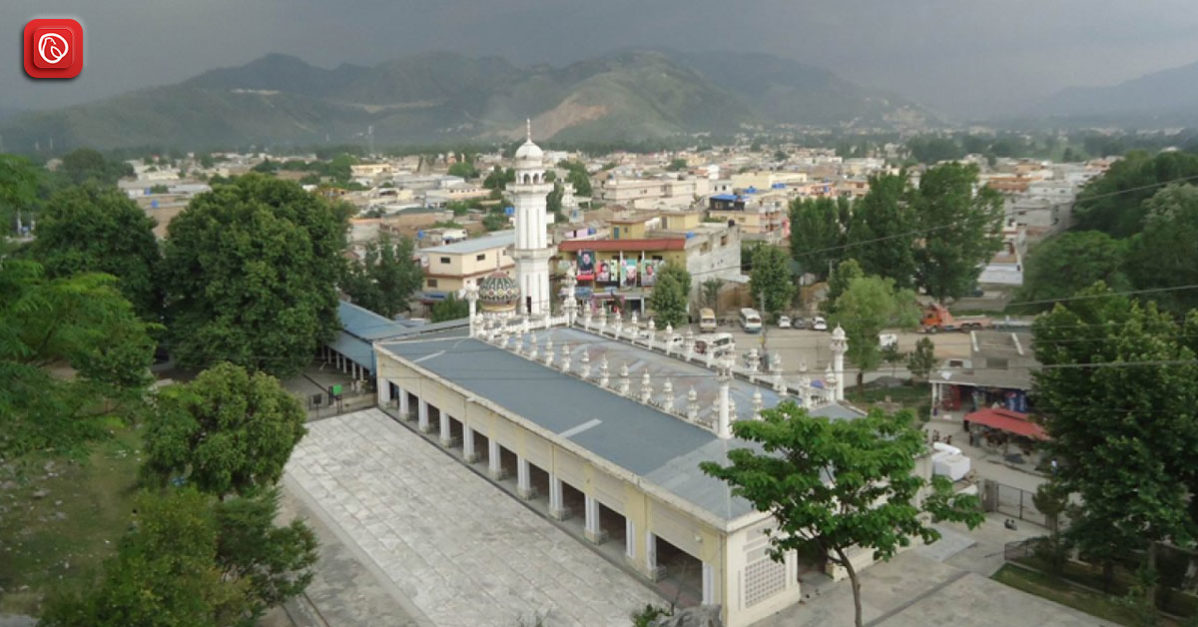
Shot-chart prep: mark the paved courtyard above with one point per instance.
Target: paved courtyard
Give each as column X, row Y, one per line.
column 455, row 548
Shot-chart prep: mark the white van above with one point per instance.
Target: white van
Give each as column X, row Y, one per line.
column 718, row 343
column 707, row 322
column 750, row 320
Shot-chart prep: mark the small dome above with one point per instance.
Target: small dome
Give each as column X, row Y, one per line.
column 529, row 151
column 838, row 333
column 498, row 292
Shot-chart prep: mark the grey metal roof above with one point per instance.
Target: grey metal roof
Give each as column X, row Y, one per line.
column 355, row 349
column 494, row 240
column 643, row 440
column 365, row 324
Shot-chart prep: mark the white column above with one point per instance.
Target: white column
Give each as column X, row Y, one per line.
column 403, row 403
column 422, row 415
column 468, row 444
column 493, row 467
column 446, row 437
column 629, row 538
column 708, row 584
column 592, row 530
column 556, row 507
column 724, row 427
column 523, row 478
column 384, row 392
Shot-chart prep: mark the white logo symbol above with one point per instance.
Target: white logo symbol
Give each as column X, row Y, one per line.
column 52, row 47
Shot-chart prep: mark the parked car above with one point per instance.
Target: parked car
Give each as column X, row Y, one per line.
column 783, row 322
column 887, row 339
column 800, row 322
column 707, row 321
column 718, row 343
column 819, row 324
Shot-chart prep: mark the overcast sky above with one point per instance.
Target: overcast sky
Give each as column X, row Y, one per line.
column 962, row 57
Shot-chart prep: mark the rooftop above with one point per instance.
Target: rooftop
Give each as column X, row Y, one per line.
column 498, row 239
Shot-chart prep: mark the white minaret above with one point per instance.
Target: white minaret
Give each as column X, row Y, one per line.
column 532, row 250
column 840, row 346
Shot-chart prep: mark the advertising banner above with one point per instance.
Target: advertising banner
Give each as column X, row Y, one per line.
column 586, row 265
column 649, row 272
column 629, row 273
column 605, row 274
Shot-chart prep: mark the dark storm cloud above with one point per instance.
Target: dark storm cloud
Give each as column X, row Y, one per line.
column 965, row 57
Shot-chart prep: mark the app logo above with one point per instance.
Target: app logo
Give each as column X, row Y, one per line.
column 53, row 48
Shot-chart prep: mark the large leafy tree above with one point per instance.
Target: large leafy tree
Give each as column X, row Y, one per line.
column 817, row 233
column 1118, row 393
column 1061, row 266
column 884, row 229
column 770, row 280
column 1112, row 202
column 387, row 276
column 869, row 305
column 19, row 180
column 669, row 298
column 228, row 431
column 92, row 228
column 250, row 271
column 840, row 484
column 452, row 308
column 844, row 274
column 85, row 164
column 81, row 321
column 922, row 360
column 961, row 229
column 1165, row 254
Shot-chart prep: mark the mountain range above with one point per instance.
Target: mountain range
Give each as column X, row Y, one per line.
column 632, row 95
column 1168, row 97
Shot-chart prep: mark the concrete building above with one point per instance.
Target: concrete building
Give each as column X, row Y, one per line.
column 999, row 372
column 1006, row 266
column 451, row 268
column 611, row 443
column 671, row 192
column 761, row 216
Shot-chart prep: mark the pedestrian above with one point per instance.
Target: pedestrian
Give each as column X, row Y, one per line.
column 1054, row 465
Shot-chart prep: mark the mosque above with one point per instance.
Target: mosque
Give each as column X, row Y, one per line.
column 601, row 422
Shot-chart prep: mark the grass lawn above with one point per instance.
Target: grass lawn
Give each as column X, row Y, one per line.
column 1062, row 592
column 909, row 396
column 69, row 531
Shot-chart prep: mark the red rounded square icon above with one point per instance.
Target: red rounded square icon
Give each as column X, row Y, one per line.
column 53, row 48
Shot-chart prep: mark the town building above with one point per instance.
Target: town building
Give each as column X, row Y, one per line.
column 761, row 215
column 451, row 268
column 998, row 373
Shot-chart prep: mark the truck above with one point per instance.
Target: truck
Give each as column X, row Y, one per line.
column 937, row 318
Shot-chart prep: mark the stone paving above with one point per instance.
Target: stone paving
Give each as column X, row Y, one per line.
column 454, row 545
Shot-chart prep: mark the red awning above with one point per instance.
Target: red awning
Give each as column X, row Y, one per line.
column 1009, row 421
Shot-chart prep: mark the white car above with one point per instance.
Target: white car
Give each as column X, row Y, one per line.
column 887, row 339
column 783, row 322
column 819, row 324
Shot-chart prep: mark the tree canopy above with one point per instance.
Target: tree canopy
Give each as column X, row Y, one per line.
column 836, row 484
column 84, row 164
column 452, row 308
column 770, row 279
column 92, row 228
column 1165, row 254
column 1072, row 261
column 960, row 229
column 671, row 293
column 818, row 233
column 1118, row 393
column 228, row 431
column 869, row 305
column 1112, row 203
column 387, row 276
column 250, row 272
column 884, row 229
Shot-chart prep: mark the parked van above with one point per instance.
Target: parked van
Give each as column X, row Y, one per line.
column 718, row 344
column 707, row 322
column 750, row 320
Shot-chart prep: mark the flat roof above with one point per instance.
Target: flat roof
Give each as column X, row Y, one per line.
column 659, row 243
column 662, row 448
column 499, row 239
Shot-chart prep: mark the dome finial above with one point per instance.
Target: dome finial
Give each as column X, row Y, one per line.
column 528, row 128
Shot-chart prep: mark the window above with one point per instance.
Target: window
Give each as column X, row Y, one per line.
column 656, row 257
column 723, row 240
column 480, row 256
column 432, row 282
column 445, row 260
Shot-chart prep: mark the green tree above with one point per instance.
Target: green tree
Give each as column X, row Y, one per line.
column 671, row 292
column 1052, row 500
column 206, row 161
column 1165, row 254
column 1061, row 266
column 817, row 234
column 1112, row 203
column 85, row 164
column 577, row 176
column 387, row 276
column 710, row 291
column 90, row 228
column 884, row 229
column 771, row 280
column 677, row 165
column 932, row 149
column 839, row 484
column 843, row 275
column 498, row 178
column 922, row 360
column 1119, row 387
column 495, row 221
column 869, row 305
column 82, row 321
column 19, row 181
column 164, row 574
column 250, row 272
column 961, row 229
column 452, row 308
column 464, row 169
column 228, row 431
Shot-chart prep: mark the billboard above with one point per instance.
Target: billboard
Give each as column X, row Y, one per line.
column 605, row 273
column 586, row 265
column 629, row 273
column 649, row 272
